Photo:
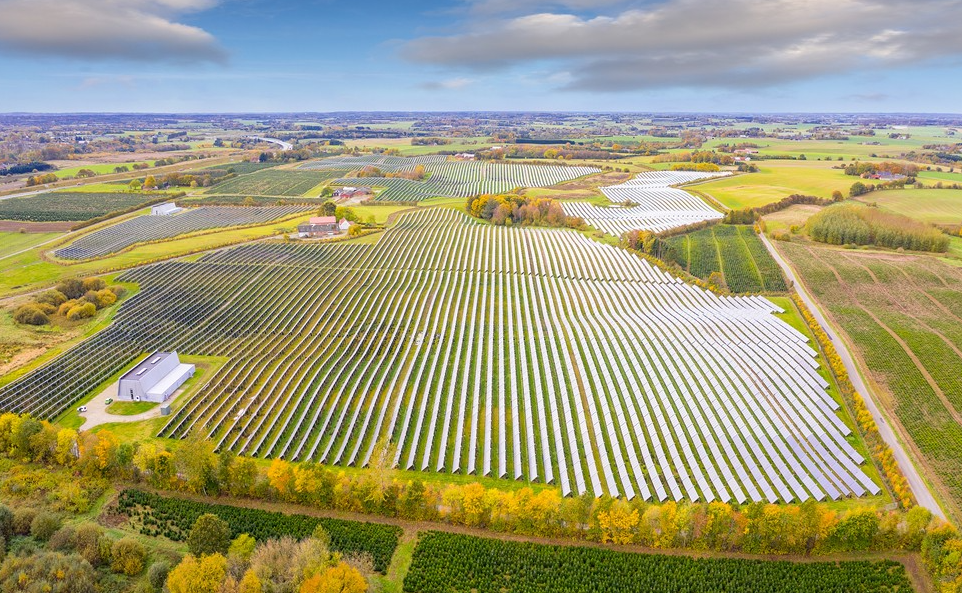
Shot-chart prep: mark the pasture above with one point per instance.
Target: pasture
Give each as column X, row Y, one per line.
column 776, row 180
column 525, row 354
column 936, row 206
column 909, row 339
column 15, row 242
column 734, row 251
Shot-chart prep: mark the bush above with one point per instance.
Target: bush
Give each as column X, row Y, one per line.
column 30, row 314
column 52, row 297
column 22, row 518
column 48, row 571
column 93, row 284
column 72, row 288
column 157, row 574
column 83, row 311
column 127, row 556
column 858, row 224
column 63, row 540
column 209, row 535
column 44, row 525
column 6, row 522
column 87, row 542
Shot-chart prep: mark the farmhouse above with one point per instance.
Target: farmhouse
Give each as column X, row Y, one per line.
column 319, row 226
column 155, row 379
column 344, row 224
column 352, row 192
column 165, row 209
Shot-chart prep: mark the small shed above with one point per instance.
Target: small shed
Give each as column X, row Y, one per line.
column 165, row 209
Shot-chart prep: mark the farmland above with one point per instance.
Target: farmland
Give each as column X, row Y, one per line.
column 143, row 229
column 776, row 180
column 735, row 251
column 908, row 339
column 71, row 206
column 446, row 563
column 936, row 206
column 274, row 182
column 440, row 350
column 13, row 242
column 173, row 518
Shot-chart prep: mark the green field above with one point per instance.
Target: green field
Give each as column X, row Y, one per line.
column 909, row 338
column 70, row 205
column 454, row 563
column 776, row 180
column 938, row 206
column 735, row 251
column 14, row 242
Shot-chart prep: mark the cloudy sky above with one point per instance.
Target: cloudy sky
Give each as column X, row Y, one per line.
column 586, row 55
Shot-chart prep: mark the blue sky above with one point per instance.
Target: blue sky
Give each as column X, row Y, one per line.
column 585, row 55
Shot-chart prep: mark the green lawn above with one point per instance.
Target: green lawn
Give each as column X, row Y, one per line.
column 130, row 408
column 13, row 242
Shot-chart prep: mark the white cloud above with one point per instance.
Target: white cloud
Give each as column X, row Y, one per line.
column 143, row 30
column 731, row 44
column 450, row 84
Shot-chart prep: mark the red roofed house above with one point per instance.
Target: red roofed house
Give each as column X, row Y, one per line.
column 318, row 226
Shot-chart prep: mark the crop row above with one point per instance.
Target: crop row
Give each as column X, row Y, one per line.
column 734, row 251
column 70, row 206
column 174, row 517
column 454, row 563
column 275, row 182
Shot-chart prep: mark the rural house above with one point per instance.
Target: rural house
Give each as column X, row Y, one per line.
column 318, row 226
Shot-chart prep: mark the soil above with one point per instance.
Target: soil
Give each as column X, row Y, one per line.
column 594, row 181
column 14, row 226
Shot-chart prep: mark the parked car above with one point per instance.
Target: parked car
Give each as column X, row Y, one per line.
column 109, row 401
column 82, row 409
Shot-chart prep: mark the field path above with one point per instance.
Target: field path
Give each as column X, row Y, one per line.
column 919, row 488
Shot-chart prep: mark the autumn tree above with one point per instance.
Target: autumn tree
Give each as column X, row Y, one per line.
column 198, row 576
column 342, row 578
column 209, row 535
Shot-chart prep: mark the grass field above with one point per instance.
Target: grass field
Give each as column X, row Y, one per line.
column 784, row 220
column 11, row 243
column 776, row 180
column 938, row 206
column 735, row 251
column 909, row 339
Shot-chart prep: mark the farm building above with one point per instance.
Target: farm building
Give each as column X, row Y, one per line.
column 319, row 226
column 344, row 224
column 352, row 192
column 165, row 209
column 154, row 379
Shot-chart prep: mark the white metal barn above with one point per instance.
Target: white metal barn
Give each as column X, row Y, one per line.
column 165, row 209
column 154, row 379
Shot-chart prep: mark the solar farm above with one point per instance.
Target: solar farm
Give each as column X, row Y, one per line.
column 448, row 179
column 657, row 206
column 527, row 354
column 148, row 228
